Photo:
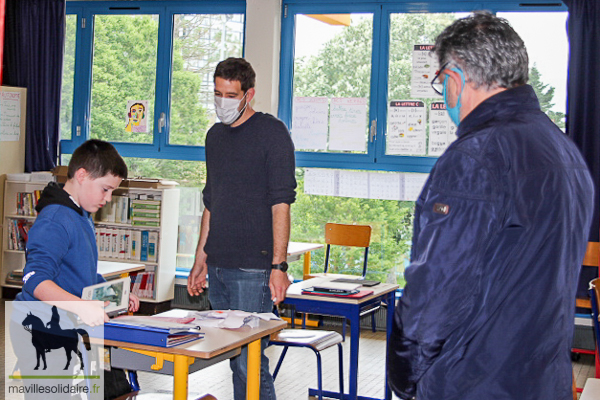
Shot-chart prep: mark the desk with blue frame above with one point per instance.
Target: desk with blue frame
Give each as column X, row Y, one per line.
column 352, row 309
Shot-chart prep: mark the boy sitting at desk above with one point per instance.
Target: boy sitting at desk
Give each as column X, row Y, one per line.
column 62, row 257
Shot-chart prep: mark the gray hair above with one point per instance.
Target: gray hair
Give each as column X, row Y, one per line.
column 487, row 49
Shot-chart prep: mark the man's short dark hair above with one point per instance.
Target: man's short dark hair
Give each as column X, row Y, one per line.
column 236, row 69
column 487, row 49
column 99, row 159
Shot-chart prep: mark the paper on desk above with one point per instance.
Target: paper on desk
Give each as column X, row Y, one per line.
column 230, row 319
column 156, row 322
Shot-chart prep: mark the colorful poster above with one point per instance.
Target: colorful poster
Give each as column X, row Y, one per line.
column 442, row 130
column 310, row 123
column 406, row 133
column 137, row 116
column 425, row 66
column 348, row 124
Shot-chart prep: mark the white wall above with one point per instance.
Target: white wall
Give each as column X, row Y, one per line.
column 263, row 33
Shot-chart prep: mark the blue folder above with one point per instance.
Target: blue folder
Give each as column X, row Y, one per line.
column 152, row 336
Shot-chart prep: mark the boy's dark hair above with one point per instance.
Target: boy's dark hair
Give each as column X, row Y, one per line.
column 236, row 69
column 99, row 159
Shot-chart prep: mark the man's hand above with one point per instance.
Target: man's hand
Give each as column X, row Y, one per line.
column 197, row 280
column 278, row 283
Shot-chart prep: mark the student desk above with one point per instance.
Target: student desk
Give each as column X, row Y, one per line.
column 297, row 249
column 351, row 309
column 217, row 345
column 111, row 269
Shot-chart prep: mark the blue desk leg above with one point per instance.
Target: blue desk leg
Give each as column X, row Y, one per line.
column 391, row 306
column 354, row 341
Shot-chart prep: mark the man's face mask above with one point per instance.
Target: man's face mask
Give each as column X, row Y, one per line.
column 227, row 109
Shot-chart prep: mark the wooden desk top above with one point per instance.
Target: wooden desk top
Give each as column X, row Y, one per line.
column 111, row 268
column 296, row 248
column 295, row 292
column 216, row 340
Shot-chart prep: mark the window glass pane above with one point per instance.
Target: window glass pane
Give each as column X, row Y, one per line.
column 332, row 82
column 68, row 73
column 390, row 239
column 545, row 38
column 417, row 123
column 124, row 78
column 200, row 41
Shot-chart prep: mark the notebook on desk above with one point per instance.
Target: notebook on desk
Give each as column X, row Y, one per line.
column 354, row 294
column 362, row 282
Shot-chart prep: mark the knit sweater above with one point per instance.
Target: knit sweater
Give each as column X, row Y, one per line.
column 250, row 168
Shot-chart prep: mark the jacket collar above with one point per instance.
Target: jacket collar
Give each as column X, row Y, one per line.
column 501, row 105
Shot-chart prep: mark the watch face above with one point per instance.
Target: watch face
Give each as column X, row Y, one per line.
column 283, row 267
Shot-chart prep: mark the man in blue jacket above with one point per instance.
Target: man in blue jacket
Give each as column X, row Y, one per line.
column 499, row 234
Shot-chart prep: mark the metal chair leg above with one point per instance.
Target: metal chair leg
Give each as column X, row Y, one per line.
column 280, row 361
column 341, row 369
column 319, row 375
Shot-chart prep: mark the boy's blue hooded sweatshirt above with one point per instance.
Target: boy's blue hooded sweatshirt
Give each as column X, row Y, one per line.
column 61, row 246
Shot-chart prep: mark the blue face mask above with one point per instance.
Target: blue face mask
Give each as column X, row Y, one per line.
column 454, row 112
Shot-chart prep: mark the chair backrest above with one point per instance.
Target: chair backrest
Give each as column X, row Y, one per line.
column 347, row 235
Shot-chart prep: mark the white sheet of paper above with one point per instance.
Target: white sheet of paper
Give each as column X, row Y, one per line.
column 310, row 123
column 354, row 184
column 348, row 124
column 384, row 186
column 320, row 181
column 406, row 128
column 10, row 116
column 442, row 130
column 424, row 68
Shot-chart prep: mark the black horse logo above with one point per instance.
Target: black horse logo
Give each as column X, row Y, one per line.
column 53, row 337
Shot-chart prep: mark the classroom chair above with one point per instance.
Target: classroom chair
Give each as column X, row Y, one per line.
column 346, row 235
column 317, row 341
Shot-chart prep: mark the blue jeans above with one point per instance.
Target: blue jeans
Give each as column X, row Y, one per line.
column 246, row 290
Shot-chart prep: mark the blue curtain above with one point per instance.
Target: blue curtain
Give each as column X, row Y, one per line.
column 583, row 94
column 33, row 57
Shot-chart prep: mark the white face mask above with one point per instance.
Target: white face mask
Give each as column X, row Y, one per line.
column 227, row 109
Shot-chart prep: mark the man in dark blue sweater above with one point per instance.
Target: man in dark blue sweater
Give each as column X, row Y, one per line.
column 246, row 221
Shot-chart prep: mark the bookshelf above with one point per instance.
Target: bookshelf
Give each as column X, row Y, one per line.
column 157, row 227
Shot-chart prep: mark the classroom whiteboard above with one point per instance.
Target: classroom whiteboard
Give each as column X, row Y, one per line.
column 13, row 109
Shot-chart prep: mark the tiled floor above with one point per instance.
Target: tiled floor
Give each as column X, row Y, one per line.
column 298, row 371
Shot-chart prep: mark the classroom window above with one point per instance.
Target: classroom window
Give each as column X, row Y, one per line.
column 68, row 74
column 362, row 71
column 200, row 41
column 124, row 78
column 142, row 73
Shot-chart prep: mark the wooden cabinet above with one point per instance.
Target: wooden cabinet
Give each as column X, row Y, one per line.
column 160, row 259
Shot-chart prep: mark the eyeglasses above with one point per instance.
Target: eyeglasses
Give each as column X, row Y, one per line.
column 438, row 86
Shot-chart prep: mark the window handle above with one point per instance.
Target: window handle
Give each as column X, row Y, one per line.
column 161, row 122
column 373, row 132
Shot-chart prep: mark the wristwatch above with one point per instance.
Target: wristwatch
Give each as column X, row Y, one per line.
column 282, row 266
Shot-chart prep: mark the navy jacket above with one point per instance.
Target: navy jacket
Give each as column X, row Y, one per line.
column 499, row 234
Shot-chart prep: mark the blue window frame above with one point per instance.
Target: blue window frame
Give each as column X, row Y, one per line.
column 382, row 16
column 157, row 143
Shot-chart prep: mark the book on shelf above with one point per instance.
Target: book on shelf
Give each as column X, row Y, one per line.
column 15, row 277
column 154, row 223
column 26, row 203
column 127, row 244
column 143, row 284
column 18, row 233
